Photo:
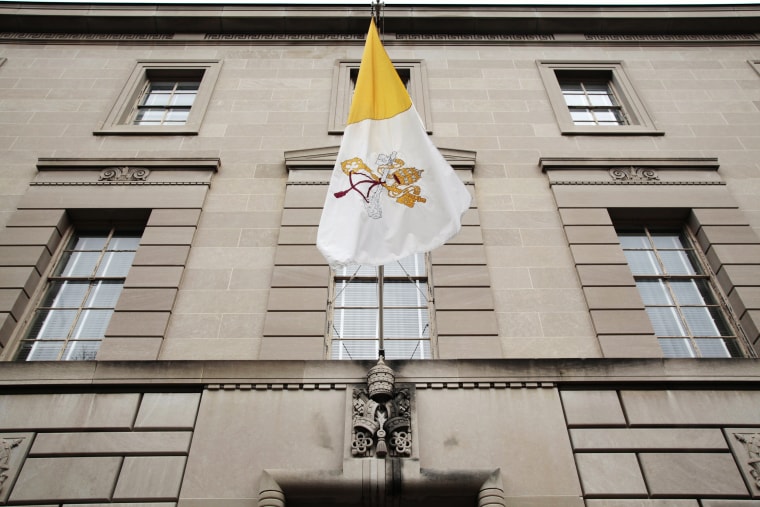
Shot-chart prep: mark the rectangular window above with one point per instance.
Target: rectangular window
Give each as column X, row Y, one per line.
column 71, row 319
column 163, row 98
column 406, row 322
column 595, row 98
column 591, row 101
column 683, row 306
column 166, row 102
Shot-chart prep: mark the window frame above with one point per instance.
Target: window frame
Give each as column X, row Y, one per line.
column 336, row 279
column 119, row 119
column 52, row 275
column 584, row 84
column 342, row 91
column 702, row 272
column 151, row 91
column 639, row 120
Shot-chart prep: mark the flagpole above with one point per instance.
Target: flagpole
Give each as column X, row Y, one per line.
column 380, row 331
column 377, row 13
column 377, row 5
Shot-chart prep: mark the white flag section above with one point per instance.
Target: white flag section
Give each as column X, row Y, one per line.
column 392, row 194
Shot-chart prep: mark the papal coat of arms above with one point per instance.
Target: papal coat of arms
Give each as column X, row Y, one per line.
column 391, row 177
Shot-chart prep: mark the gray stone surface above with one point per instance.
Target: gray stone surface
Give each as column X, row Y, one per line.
column 610, row 474
column 544, row 501
column 678, row 407
column 86, row 410
column 168, row 411
column 81, row 478
column 235, row 430
column 607, row 502
column 150, row 478
column 592, row 408
column 512, row 422
column 730, row 503
column 627, row 439
column 111, row 443
column 693, row 474
column 627, row 346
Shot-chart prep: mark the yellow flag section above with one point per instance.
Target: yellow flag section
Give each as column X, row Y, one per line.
column 391, row 194
column 379, row 93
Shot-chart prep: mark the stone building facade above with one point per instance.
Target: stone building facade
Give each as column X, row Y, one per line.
column 171, row 336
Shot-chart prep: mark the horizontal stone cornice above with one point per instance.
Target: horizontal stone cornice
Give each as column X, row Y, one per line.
column 444, row 374
column 146, row 18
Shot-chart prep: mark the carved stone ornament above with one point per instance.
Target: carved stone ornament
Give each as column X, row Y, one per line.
column 13, row 450
column 634, row 174
column 381, row 420
column 124, row 174
column 751, row 443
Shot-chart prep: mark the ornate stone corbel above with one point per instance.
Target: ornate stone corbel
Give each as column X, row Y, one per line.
column 381, row 419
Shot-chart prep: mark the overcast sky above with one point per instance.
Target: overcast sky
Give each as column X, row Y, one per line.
column 424, row 2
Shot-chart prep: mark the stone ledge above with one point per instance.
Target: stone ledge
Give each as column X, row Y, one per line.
column 459, row 374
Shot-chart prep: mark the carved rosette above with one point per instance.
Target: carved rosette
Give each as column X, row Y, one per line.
column 637, row 174
column 381, row 419
column 124, row 174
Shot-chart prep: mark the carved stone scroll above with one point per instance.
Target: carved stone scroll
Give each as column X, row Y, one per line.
column 124, row 174
column 637, row 174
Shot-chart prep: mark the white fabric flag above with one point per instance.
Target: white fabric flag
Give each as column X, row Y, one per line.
column 392, row 194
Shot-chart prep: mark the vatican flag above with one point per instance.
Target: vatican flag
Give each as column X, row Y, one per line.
column 391, row 194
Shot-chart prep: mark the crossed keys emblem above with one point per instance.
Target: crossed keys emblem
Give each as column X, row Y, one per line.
column 390, row 176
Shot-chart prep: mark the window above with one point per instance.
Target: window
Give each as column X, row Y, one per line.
column 594, row 98
column 411, row 72
column 591, row 102
column 163, row 98
column 406, row 322
column 166, row 102
column 71, row 319
column 678, row 294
